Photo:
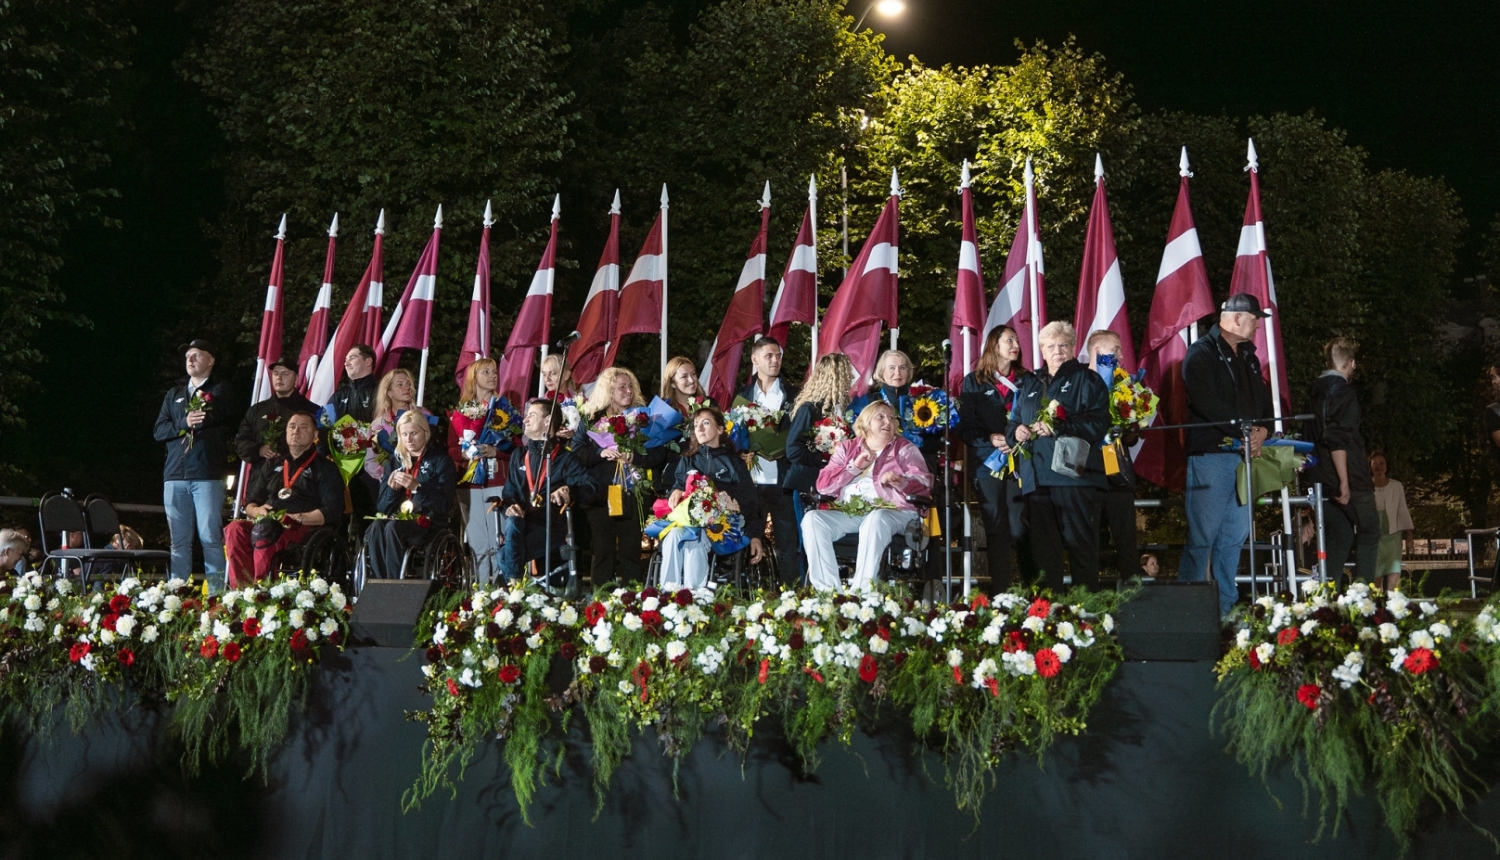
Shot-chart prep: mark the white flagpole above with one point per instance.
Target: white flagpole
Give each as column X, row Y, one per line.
column 968, row 333
column 664, row 282
column 1036, row 346
column 812, row 206
column 541, row 385
column 437, row 224
column 895, row 192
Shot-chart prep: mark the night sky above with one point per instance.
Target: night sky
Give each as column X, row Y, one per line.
column 1409, row 82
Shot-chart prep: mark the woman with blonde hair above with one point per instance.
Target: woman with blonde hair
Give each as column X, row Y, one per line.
column 559, row 385
column 396, row 394
column 485, row 465
column 879, row 467
column 417, row 495
column 826, row 395
column 616, row 537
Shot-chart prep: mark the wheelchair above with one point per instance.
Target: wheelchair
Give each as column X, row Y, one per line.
column 562, row 580
column 443, row 558
column 723, row 570
column 324, row 551
column 907, row 557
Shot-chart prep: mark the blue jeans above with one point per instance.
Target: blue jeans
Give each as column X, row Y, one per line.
column 1217, row 524
column 196, row 505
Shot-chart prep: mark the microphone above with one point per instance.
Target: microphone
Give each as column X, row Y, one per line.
column 567, row 341
column 947, row 347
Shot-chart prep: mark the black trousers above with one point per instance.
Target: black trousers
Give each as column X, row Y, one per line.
column 1066, row 518
column 1002, row 511
column 616, row 543
column 1119, row 520
column 778, row 503
column 1353, row 526
column 387, row 541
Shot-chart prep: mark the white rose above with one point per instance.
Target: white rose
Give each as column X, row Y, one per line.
column 1242, row 640
column 675, row 649
column 125, row 625
column 297, row 617
column 63, row 586
column 878, row 645
column 1063, row 652
column 568, row 616
column 504, row 617
column 1440, row 631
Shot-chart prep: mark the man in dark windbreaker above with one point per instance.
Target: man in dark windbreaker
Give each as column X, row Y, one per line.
column 1225, row 387
column 1349, row 515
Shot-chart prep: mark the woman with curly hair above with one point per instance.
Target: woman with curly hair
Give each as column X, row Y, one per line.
column 826, row 395
column 616, row 539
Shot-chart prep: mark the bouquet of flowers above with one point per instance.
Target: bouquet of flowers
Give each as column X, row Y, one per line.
column 407, row 513
column 927, row 411
column 703, row 508
column 626, row 431
column 199, row 402
column 496, row 424
column 828, row 432
column 348, row 440
column 756, row 429
column 1276, row 465
column 1132, row 405
column 274, row 432
column 474, row 410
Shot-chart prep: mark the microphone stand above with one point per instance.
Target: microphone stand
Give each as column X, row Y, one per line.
column 948, row 488
column 562, row 374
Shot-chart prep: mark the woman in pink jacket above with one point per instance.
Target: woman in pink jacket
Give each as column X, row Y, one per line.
column 877, row 469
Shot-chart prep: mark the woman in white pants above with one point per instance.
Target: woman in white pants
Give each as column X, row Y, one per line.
column 710, row 453
column 880, row 467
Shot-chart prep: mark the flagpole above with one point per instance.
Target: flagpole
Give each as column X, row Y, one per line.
column 812, row 206
column 1036, row 347
column 895, row 192
column 663, row 282
column 437, row 224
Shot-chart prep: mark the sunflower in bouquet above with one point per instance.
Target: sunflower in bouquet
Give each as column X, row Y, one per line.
column 1132, row 405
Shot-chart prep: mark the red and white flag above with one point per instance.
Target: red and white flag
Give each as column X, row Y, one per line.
column 1182, row 298
column 642, row 297
column 315, row 342
column 410, row 326
column 477, row 335
column 270, row 322
column 797, row 297
column 742, row 320
column 533, row 322
column 601, row 308
column 1022, row 300
column 1101, row 290
column 359, row 324
column 968, row 300
column 1252, row 274
column 868, row 296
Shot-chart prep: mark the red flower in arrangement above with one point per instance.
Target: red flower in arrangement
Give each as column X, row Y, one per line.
column 958, row 675
column 884, row 633
column 978, row 601
column 510, row 673
column 765, row 669
column 424, row 521
column 868, row 668
column 569, row 651
column 1014, row 641
column 1287, row 636
column 452, row 688
column 651, row 618
column 1308, row 695
column 119, row 603
column 598, row 664
column 617, row 424
column 1254, row 659
column 251, row 627
column 649, row 592
column 796, row 641
column 683, row 597
column 232, row 652
column 1047, row 664
column 79, row 651
column 299, row 641
column 209, row 648
column 1420, row 661
column 720, row 609
column 1061, row 413
column 336, row 637
column 110, row 621
column 1039, row 608
column 126, row 657
column 593, row 612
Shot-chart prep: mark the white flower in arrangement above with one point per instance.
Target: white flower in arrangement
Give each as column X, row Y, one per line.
column 250, row 612
column 32, row 602
column 97, row 599
column 1242, row 639
column 847, row 654
column 1348, row 674
column 849, row 610
column 469, row 657
column 63, row 586
column 1019, row 663
column 1300, row 610
column 175, row 583
column 583, row 666
column 768, row 644
column 171, row 603
column 990, row 635
column 470, row 678
column 710, row 660
column 602, row 643
column 1388, row 632
column 1440, row 631
column 1063, row 652
column 866, row 613
column 653, row 651
column 1429, row 608
column 338, row 599
column 675, row 650
column 5, row 613
column 1279, row 617
column 1264, row 652
column 737, row 612
column 221, row 630
column 753, row 631
column 296, row 618
column 534, row 641
column 1421, row 639
column 786, row 606
column 812, row 634
column 128, row 584
column 87, row 662
column 1109, row 623
column 150, row 634
column 525, row 622
column 624, row 687
column 504, row 617
column 319, row 585
column 549, row 613
column 125, row 625
column 695, row 614
column 892, row 608
column 1397, row 604
column 914, row 625
column 327, row 628
column 1398, row 656
column 268, row 627
column 615, row 659
column 986, row 669
column 937, row 628
column 107, row 637
column 515, row 595
column 536, row 601
column 1065, row 630
column 311, row 633
column 568, row 617
column 57, row 632
column 306, row 600
column 1033, row 623
column 955, row 657
column 491, row 663
column 440, row 633
column 755, row 611
column 280, row 589
column 1367, row 634
column 1309, row 626
column 878, row 645
column 429, row 670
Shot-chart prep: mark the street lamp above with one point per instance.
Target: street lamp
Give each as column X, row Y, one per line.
column 886, row 8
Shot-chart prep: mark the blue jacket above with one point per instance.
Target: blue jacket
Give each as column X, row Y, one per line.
column 1085, row 401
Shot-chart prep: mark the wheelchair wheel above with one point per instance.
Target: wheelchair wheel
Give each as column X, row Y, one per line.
column 763, row 574
column 326, row 555
column 448, row 561
column 358, row 567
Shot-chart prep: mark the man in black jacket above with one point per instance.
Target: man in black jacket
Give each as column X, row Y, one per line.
column 769, row 390
column 194, row 424
column 1349, row 515
column 266, row 420
column 544, row 460
column 1224, row 387
column 1119, row 499
column 356, row 396
column 303, row 484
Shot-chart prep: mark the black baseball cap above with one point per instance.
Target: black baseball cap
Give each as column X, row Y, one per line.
column 199, row 344
column 1244, row 303
column 288, row 363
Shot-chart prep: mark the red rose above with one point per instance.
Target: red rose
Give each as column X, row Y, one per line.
column 210, row 648
column 1254, row 659
column 1287, row 636
column 251, row 627
column 1420, row 661
column 593, row 612
column 1039, row 608
column 207, row 397
column 868, row 668
column 617, row 424
column 452, row 688
column 126, row 657
column 1047, row 664
column 1308, row 695
column 232, row 652
column 569, row 651
column 424, row 521
column 79, row 651
column 119, row 603
column 510, row 673
column 110, row 621
column 299, row 640
column 1062, row 412
column 683, row 597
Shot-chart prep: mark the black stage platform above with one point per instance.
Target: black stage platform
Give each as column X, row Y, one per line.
column 1147, row 781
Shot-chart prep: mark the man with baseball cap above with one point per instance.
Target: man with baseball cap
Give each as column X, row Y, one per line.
column 1224, row 387
column 262, row 434
column 197, row 417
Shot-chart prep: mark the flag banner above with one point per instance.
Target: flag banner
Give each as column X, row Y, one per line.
column 533, row 322
column 742, row 319
column 1022, row 300
column 315, row 342
column 477, row 336
column 1101, row 290
column 601, row 308
column 640, row 295
column 1252, row 274
column 410, row 326
column 796, row 299
column 270, row 322
column 968, row 300
column 868, row 296
column 360, row 317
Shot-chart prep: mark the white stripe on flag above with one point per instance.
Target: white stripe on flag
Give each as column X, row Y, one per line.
column 1008, row 303
column 754, row 270
column 882, row 256
column 647, row 269
column 1252, row 240
column 325, row 298
column 478, row 285
column 422, row 292
column 607, row 278
column 541, row 284
column 1179, row 253
column 270, row 298
column 804, row 259
column 968, row 257
column 375, row 297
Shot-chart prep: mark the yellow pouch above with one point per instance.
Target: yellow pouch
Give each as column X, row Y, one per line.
column 616, row 494
column 1111, row 459
column 934, row 524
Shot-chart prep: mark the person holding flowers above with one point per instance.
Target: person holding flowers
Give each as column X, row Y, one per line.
column 478, row 433
column 1103, row 349
column 873, row 473
column 543, row 462
column 614, row 413
column 559, row 385
column 711, row 454
column 396, row 394
column 1063, row 400
column 986, row 398
column 769, row 391
column 416, row 494
column 818, row 422
column 683, row 392
column 290, row 494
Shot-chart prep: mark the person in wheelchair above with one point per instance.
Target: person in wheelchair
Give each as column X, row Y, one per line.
column 304, row 484
column 523, row 526
column 710, row 453
column 879, row 467
column 417, row 494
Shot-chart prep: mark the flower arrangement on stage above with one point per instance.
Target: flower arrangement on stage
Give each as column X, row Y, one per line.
column 1132, row 404
column 234, row 666
column 978, row 678
column 828, row 432
column 1361, row 686
column 626, row 431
